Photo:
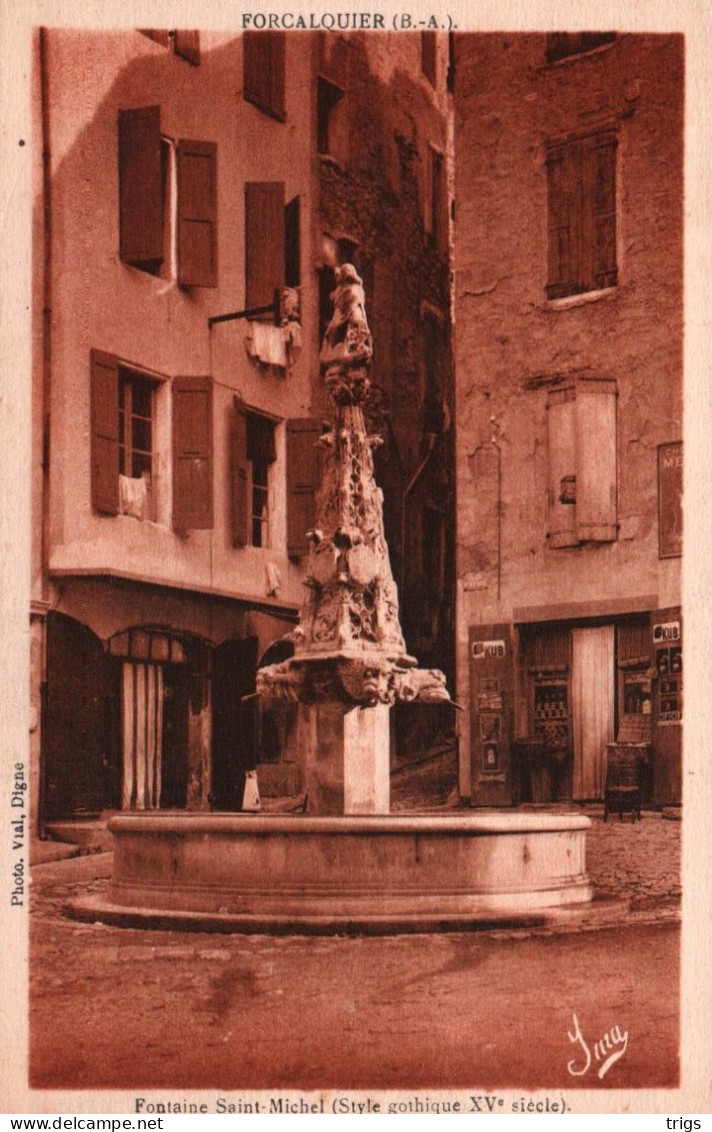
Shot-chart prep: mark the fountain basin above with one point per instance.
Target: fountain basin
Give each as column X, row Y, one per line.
column 296, row 873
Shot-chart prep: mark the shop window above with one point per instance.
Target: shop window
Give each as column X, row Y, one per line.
column 329, row 118
column 123, row 417
column 581, row 177
column 582, row 463
column 435, row 200
column 560, row 45
column 428, row 55
column 264, row 71
column 167, row 201
column 185, row 43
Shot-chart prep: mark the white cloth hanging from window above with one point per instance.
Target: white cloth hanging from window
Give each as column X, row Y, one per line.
column 265, row 343
column 133, row 496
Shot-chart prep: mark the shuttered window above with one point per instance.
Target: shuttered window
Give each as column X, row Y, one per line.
column 582, row 463
column 581, row 176
column 264, row 241
column 562, row 468
column 197, row 213
column 104, row 433
column 252, row 453
column 146, row 227
column 264, row 71
column 140, row 187
column 192, row 453
column 239, row 474
column 304, row 464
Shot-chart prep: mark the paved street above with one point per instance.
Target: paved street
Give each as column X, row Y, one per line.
column 125, row 1007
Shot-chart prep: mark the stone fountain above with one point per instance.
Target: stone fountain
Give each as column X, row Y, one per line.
column 346, row 864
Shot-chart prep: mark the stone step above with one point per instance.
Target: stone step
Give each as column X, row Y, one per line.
column 91, row 835
column 41, row 852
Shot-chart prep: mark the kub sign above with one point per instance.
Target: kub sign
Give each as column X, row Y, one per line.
column 483, row 650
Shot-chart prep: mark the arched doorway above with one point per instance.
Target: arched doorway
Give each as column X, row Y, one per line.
column 81, row 765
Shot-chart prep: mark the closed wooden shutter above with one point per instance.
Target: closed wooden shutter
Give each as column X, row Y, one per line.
column 564, row 195
column 562, row 466
column 264, row 59
column 291, row 244
column 192, row 453
column 304, row 464
column 596, row 460
column 186, row 43
column 104, row 433
column 264, row 241
column 599, row 193
column 140, row 188
column 239, row 475
column 197, row 213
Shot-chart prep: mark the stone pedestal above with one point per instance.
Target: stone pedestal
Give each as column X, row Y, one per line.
column 344, row 758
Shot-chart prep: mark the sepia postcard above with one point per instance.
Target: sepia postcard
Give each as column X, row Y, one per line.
column 355, row 575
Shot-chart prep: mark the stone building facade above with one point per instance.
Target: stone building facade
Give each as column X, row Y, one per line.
column 181, row 176
column 568, row 315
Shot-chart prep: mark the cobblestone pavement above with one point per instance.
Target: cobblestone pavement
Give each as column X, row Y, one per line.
column 638, row 862
column 138, row 1009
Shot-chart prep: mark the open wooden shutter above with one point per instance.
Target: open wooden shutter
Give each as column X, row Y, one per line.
column 291, row 244
column 255, row 67
column 186, row 43
column 264, row 241
column 104, row 433
column 277, row 66
column 304, row 464
column 197, row 213
column 239, row 475
column 192, row 453
column 596, row 460
column 264, row 59
column 158, row 35
column 564, row 193
column 599, row 193
column 140, row 189
column 562, row 467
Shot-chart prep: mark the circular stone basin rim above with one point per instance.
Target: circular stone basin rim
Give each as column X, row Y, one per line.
column 179, row 822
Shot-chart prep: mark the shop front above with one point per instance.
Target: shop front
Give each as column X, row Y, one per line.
column 553, row 703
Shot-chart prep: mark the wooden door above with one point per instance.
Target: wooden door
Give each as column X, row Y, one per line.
column 234, row 670
column 81, row 772
column 593, row 704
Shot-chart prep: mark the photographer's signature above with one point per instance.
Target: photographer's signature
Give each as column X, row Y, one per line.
column 606, row 1051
